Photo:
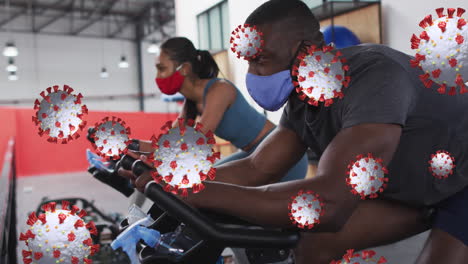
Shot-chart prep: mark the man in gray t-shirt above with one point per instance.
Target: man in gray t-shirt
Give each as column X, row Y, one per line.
column 385, row 89
column 385, row 111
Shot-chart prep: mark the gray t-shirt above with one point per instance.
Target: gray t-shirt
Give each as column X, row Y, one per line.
column 385, row 89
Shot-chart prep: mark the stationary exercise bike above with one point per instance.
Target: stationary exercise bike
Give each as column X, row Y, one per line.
column 208, row 232
column 200, row 234
column 107, row 225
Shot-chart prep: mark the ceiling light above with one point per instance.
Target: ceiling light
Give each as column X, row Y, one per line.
column 123, row 62
column 13, row 76
column 11, row 66
column 153, row 48
column 104, row 73
column 10, row 50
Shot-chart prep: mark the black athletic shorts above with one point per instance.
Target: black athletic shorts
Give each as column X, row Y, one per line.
column 452, row 216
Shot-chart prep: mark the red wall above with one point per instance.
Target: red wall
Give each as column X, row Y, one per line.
column 7, row 130
column 36, row 156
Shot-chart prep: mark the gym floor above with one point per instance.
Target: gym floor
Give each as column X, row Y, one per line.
column 30, row 192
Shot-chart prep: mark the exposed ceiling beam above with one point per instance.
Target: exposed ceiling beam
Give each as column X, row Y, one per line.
column 100, row 11
column 38, row 5
column 162, row 18
column 12, row 17
column 158, row 28
column 96, row 7
column 130, row 21
column 63, row 34
column 118, row 19
column 55, row 18
column 104, row 12
column 120, row 28
column 44, row 9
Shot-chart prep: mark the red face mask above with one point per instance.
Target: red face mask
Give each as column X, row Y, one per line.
column 172, row 84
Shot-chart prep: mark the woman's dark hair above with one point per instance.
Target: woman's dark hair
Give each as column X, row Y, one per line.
column 182, row 50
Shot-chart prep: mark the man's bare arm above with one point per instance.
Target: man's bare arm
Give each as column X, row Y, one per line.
column 268, row 163
column 272, row 159
column 270, row 203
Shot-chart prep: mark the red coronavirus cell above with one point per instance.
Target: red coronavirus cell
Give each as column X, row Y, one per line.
column 321, row 75
column 305, row 209
column 246, row 41
column 441, row 51
column 366, row 176
column 59, row 114
column 111, row 137
column 184, row 157
column 59, row 236
column 441, row 164
column 365, row 257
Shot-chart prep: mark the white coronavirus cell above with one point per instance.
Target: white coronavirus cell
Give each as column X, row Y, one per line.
column 59, row 114
column 441, row 164
column 366, row 176
column 442, row 50
column 184, row 157
column 305, row 209
column 246, row 41
column 321, row 75
column 59, row 236
column 365, row 257
column 111, row 137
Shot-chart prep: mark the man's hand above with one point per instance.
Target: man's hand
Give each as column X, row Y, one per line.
column 91, row 131
column 141, row 181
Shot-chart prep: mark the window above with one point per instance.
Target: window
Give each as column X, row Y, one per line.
column 213, row 28
column 203, row 36
column 316, row 3
column 313, row 3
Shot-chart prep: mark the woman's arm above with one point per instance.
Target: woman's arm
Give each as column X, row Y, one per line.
column 182, row 114
column 145, row 145
column 218, row 98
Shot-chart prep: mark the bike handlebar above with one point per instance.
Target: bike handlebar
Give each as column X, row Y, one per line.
column 228, row 235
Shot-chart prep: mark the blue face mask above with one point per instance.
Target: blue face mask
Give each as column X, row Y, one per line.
column 270, row 92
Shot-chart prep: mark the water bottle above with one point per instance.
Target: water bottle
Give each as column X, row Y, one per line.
column 220, row 260
column 177, row 243
column 168, row 244
column 174, row 243
column 163, row 244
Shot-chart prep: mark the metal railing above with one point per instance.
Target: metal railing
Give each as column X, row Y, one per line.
column 8, row 240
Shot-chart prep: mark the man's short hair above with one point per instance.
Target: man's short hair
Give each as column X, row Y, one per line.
column 295, row 14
